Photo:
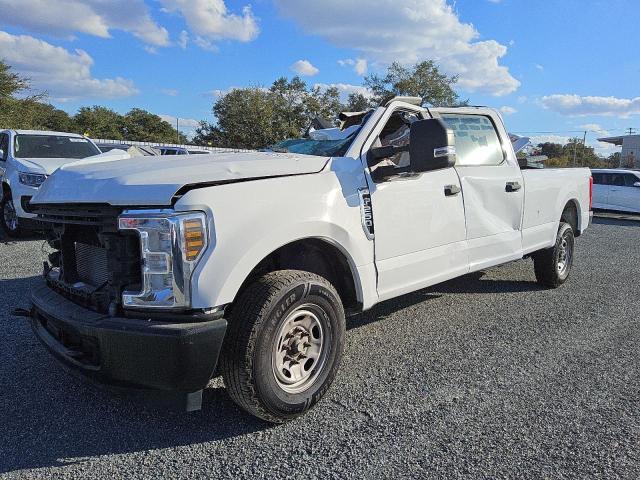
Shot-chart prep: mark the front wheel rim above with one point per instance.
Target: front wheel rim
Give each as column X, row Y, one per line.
column 10, row 216
column 300, row 350
column 565, row 254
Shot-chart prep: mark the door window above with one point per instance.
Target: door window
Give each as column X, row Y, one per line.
column 477, row 142
column 4, row 146
column 598, row 179
column 396, row 133
column 616, row 179
column 630, row 179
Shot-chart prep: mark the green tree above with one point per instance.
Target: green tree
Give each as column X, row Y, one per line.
column 357, row 102
column 44, row 116
column 256, row 117
column 423, row 80
column 144, row 126
column 10, row 82
column 99, row 122
column 247, row 118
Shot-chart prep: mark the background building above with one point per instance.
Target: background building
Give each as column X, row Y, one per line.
column 630, row 149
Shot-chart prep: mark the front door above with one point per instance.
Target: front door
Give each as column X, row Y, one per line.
column 623, row 194
column 493, row 190
column 419, row 218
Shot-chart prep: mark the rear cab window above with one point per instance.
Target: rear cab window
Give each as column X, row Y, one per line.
column 477, row 141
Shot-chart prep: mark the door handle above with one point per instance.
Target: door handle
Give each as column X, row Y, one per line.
column 513, row 187
column 451, row 190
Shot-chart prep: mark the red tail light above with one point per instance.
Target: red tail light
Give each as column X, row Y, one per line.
column 590, row 193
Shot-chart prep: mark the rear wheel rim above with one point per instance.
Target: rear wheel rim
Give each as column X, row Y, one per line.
column 10, row 216
column 300, row 350
column 565, row 254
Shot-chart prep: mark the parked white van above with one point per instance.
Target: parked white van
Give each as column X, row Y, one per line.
column 27, row 158
column 616, row 189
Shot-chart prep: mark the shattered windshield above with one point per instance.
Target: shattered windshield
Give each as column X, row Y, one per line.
column 309, row 146
column 323, row 140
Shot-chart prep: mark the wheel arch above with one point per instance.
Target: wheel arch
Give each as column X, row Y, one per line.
column 571, row 214
column 318, row 255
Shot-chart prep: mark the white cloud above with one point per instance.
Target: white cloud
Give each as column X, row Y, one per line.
column 170, row 92
column 576, row 105
column 539, row 67
column 187, row 125
column 304, row 67
column 408, row 31
column 594, row 127
column 183, row 39
column 522, row 99
column 345, row 89
column 64, row 18
column 205, row 44
column 561, row 139
column 508, row 110
column 64, row 75
column 360, row 65
column 210, row 20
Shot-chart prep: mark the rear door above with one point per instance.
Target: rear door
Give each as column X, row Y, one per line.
column 492, row 186
column 600, row 190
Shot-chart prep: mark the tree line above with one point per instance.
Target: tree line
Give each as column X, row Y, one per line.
column 21, row 110
column 256, row 117
column 575, row 154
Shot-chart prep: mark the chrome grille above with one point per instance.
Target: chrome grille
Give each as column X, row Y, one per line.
column 91, row 264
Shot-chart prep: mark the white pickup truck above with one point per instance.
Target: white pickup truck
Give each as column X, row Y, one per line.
column 167, row 272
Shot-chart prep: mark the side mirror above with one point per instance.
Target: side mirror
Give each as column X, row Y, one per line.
column 431, row 146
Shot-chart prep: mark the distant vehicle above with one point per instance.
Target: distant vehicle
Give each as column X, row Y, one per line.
column 143, row 149
column 27, row 158
column 181, row 151
column 616, row 189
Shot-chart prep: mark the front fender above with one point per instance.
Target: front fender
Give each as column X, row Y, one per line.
column 250, row 220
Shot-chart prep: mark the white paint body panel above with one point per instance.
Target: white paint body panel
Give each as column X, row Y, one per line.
column 155, row 180
column 422, row 237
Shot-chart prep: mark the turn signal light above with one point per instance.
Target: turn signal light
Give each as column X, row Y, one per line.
column 193, row 237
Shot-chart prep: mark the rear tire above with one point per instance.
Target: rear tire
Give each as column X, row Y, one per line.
column 9, row 217
column 553, row 265
column 284, row 344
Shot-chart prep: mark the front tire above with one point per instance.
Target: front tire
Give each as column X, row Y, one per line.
column 9, row 216
column 553, row 265
column 284, row 344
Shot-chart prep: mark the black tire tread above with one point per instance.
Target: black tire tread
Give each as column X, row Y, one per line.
column 249, row 312
column 544, row 263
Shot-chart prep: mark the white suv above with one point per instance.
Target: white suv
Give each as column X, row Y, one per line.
column 616, row 189
column 27, row 158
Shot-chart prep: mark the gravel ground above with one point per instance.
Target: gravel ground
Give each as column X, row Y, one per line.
column 487, row 376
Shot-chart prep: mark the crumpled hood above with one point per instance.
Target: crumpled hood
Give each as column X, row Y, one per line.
column 41, row 165
column 153, row 181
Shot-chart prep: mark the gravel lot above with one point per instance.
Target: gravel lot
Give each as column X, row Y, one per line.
column 487, row 376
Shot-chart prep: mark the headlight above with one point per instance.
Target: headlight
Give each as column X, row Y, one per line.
column 171, row 245
column 31, row 179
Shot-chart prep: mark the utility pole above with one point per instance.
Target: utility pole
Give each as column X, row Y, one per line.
column 177, row 130
column 584, row 146
column 631, row 131
column 575, row 147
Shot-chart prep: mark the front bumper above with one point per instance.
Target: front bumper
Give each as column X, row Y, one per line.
column 125, row 352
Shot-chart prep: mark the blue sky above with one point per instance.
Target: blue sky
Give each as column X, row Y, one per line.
column 554, row 67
